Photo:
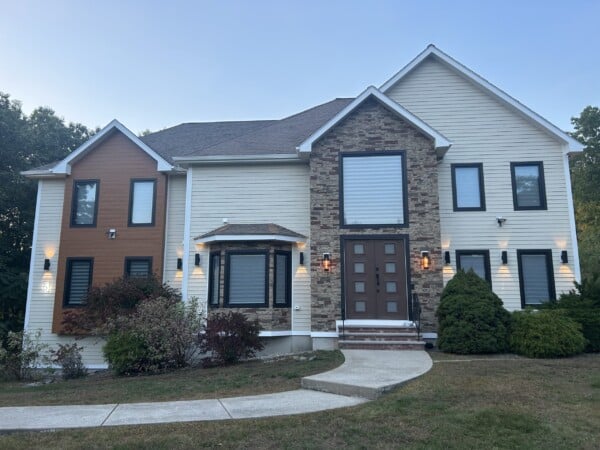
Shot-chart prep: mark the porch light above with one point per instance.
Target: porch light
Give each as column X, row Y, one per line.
column 425, row 259
column 564, row 257
column 179, row 264
column 301, row 258
column 197, row 259
column 46, row 264
column 446, row 257
column 326, row 262
column 504, row 257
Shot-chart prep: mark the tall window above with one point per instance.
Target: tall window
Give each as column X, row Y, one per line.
column 138, row 267
column 85, row 203
column 282, row 286
column 78, row 280
column 529, row 191
column 142, row 202
column 373, row 189
column 476, row 260
column 467, row 187
column 247, row 280
column 536, row 276
column 214, row 282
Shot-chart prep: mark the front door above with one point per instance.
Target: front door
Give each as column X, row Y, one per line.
column 375, row 277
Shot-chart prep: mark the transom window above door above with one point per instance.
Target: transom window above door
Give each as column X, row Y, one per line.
column 373, row 189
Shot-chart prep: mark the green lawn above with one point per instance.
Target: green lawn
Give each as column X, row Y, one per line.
column 478, row 403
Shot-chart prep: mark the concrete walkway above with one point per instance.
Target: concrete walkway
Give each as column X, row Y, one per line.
column 364, row 375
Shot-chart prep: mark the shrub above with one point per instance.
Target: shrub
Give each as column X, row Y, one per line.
column 229, row 337
column 23, row 354
column 69, row 358
column 160, row 334
column 471, row 317
column 545, row 334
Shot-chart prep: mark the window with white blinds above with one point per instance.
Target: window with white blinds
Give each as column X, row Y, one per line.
column 476, row 260
column 467, row 187
column 138, row 267
column 373, row 190
column 537, row 279
column 141, row 209
column 281, row 285
column 247, row 279
column 78, row 280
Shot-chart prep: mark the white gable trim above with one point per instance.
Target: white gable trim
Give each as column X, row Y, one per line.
column 431, row 50
column 440, row 141
column 64, row 166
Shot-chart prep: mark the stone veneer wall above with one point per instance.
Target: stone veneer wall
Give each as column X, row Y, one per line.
column 372, row 127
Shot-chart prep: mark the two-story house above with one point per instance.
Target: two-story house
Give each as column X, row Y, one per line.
column 331, row 218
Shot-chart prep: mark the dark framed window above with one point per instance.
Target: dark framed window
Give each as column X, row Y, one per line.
column 78, row 280
column 138, row 267
column 214, row 281
column 373, row 189
column 142, row 202
column 282, row 284
column 247, row 278
column 84, row 206
column 476, row 260
column 528, row 186
column 536, row 277
column 468, row 193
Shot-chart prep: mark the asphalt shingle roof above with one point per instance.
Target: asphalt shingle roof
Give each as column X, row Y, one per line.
column 236, row 229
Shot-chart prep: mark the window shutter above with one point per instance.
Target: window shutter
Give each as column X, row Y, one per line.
column 143, row 200
column 247, row 279
column 79, row 281
column 535, row 278
column 467, row 187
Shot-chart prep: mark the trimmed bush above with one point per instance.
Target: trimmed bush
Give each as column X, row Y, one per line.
column 230, row 337
column 472, row 319
column 545, row 334
column 126, row 353
column 69, row 358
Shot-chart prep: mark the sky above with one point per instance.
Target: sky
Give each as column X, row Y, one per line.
column 153, row 64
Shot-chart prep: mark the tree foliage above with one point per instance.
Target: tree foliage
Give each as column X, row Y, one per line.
column 26, row 142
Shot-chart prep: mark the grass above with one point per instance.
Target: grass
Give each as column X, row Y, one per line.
column 478, row 403
column 250, row 378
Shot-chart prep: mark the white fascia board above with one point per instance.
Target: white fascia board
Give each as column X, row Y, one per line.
column 249, row 237
column 573, row 144
column 224, row 159
column 44, row 173
column 64, row 166
column 440, row 140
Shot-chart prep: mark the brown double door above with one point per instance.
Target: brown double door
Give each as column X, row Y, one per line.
column 375, row 279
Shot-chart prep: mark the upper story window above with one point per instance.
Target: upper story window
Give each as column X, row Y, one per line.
column 84, row 207
column 536, row 276
column 374, row 189
column 467, row 187
column 529, row 191
column 247, row 278
column 138, row 267
column 142, row 202
column 476, row 260
column 78, row 280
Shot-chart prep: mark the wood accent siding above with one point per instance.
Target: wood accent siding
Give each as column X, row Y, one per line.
column 114, row 162
column 485, row 130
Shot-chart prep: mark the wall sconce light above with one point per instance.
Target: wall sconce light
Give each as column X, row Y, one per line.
column 197, row 259
column 301, row 258
column 446, row 257
column 326, row 262
column 425, row 259
column 564, row 257
column 46, row 264
column 179, row 264
column 504, row 255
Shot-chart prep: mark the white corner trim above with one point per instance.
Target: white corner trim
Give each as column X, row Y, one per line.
column 284, row 333
column 64, row 166
column 187, row 234
column 324, row 334
column 440, row 140
column 249, row 237
column 33, row 263
column 572, row 225
column 574, row 145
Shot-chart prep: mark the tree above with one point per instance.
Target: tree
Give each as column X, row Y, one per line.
column 25, row 143
column 585, row 173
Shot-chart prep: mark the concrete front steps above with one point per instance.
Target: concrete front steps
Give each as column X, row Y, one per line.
column 379, row 337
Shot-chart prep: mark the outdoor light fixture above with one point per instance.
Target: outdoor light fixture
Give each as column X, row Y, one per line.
column 504, row 257
column 301, row 258
column 446, row 257
column 179, row 264
column 197, row 259
column 564, row 257
column 425, row 259
column 46, row 264
column 326, row 262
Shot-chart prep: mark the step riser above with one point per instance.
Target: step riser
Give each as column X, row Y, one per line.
column 381, row 346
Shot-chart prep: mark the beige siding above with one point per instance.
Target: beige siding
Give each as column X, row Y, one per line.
column 42, row 286
column 252, row 193
column 174, row 230
column 484, row 130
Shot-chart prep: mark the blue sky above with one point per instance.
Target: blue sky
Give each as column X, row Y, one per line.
column 155, row 64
